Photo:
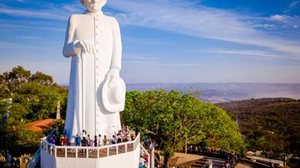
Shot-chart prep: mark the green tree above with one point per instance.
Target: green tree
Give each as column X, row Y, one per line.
column 174, row 119
column 40, row 100
column 26, row 98
column 42, row 78
column 16, row 76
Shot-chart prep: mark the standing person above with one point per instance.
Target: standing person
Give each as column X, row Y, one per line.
column 105, row 140
column 84, row 142
column 63, row 140
column 88, row 140
column 84, row 134
column 114, row 139
column 96, row 91
column 95, row 141
column 77, row 140
column 99, row 140
column 52, row 140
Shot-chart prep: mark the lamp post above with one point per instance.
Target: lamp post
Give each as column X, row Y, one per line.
column 271, row 152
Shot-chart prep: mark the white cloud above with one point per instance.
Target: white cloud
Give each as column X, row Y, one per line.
column 5, row 26
column 184, row 18
column 34, row 13
column 138, row 59
column 71, row 8
column 18, row 46
column 278, row 17
column 240, row 52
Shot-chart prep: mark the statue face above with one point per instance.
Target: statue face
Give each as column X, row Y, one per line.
column 93, row 5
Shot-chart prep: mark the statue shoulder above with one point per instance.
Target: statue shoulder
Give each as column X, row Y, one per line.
column 75, row 17
column 113, row 21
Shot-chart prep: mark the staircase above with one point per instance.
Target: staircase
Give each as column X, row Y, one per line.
column 207, row 162
column 34, row 162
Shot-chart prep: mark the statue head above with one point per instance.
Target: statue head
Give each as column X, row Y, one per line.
column 93, row 5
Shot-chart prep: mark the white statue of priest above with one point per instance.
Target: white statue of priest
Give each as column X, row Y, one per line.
column 96, row 91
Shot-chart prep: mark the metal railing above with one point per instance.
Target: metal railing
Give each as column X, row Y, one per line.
column 34, row 160
column 149, row 156
column 89, row 152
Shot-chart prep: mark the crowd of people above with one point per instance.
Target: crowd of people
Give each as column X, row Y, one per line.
column 153, row 159
column 59, row 138
column 231, row 159
column 144, row 157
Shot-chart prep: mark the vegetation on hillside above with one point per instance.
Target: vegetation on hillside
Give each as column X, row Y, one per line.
column 26, row 97
column 270, row 125
column 174, row 119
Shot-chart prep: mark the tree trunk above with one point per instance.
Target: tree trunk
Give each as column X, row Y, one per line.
column 167, row 157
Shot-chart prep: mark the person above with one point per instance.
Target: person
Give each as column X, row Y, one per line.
column 84, row 133
column 63, row 140
column 132, row 137
column 119, row 138
column 84, row 141
column 99, row 140
column 142, row 162
column 89, row 140
column 227, row 163
column 52, row 140
column 57, row 140
column 105, row 140
column 114, row 140
column 95, row 141
column 93, row 42
column 77, row 140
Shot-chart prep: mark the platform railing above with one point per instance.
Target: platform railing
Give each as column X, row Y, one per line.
column 149, row 156
column 89, row 152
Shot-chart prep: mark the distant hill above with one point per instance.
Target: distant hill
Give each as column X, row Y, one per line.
column 225, row 92
column 270, row 124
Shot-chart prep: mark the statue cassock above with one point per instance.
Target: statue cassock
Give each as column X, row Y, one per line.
column 96, row 91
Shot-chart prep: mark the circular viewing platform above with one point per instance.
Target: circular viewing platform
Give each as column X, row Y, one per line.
column 124, row 154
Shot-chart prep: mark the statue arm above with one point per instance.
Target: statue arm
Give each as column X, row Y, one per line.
column 117, row 47
column 115, row 67
column 69, row 50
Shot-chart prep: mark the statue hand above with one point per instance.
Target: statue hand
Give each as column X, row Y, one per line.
column 84, row 46
column 113, row 75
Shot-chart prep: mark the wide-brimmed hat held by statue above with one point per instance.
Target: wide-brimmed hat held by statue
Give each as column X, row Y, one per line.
column 113, row 95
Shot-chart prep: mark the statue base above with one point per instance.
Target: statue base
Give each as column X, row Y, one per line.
column 125, row 154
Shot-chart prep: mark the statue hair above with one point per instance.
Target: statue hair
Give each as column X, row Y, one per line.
column 102, row 1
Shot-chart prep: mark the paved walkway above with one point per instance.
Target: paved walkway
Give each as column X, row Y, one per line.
column 240, row 165
column 181, row 160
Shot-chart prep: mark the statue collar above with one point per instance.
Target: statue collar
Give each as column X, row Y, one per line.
column 98, row 13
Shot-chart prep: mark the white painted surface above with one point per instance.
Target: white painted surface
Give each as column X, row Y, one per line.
column 123, row 160
column 93, row 42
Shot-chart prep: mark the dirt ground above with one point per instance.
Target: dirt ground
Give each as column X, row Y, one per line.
column 38, row 126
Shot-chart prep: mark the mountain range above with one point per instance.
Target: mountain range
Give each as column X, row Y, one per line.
column 226, row 92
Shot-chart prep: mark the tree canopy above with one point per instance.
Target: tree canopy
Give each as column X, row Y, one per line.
column 175, row 118
column 26, row 97
column 172, row 119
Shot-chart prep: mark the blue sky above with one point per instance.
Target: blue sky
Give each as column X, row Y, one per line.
column 180, row 41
